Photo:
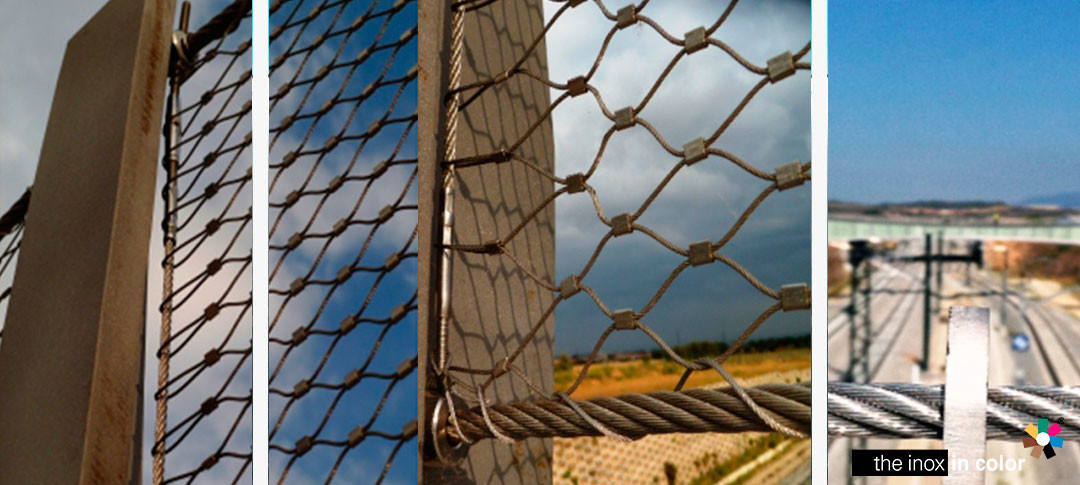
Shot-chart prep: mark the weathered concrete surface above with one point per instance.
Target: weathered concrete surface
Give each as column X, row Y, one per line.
column 70, row 363
column 494, row 303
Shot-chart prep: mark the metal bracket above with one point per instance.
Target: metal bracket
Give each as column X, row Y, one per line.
column 449, row 453
column 180, row 62
column 621, row 224
column 575, row 183
column 795, row 297
column 701, row 253
column 569, row 287
column 295, row 240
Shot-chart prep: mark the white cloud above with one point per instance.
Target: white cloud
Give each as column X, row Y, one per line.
column 32, row 41
column 313, row 172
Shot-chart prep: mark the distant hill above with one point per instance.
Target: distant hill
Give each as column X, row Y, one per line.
column 933, row 203
column 1064, row 199
column 709, row 348
column 950, row 204
column 1062, row 207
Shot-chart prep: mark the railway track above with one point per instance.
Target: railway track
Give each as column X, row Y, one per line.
column 900, row 302
column 1049, row 328
column 1054, row 357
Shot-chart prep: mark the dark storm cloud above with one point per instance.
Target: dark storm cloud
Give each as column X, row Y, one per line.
column 701, row 202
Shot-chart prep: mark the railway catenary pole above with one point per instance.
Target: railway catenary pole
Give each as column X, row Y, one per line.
column 967, row 270
column 855, row 257
column 867, row 321
column 927, row 310
column 1004, row 286
column 940, row 268
column 852, row 325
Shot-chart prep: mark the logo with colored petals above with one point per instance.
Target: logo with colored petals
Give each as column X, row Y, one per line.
column 1043, row 438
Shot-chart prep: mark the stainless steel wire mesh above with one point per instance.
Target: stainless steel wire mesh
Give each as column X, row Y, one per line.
column 12, row 222
column 469, row 385
column 342, row 241
column 203, row 426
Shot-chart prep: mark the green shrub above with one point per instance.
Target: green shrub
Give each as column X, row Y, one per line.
column 670, row 472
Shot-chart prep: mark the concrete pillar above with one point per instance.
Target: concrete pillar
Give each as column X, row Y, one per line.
column 70, row 363
column 494, row 303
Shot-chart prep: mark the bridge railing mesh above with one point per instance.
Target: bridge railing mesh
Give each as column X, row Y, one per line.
column 343, row 249
column 12, row 222
column 780, row 408
column 203, row 423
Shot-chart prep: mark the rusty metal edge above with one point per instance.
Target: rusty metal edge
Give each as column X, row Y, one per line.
column 433, row 22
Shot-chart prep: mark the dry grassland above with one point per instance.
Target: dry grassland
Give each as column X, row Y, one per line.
column 613, row 378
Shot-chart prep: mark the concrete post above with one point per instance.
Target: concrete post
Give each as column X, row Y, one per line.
column 493, row 304
column 71, row 359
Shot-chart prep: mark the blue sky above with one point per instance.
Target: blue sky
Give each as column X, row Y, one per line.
column 953, row 100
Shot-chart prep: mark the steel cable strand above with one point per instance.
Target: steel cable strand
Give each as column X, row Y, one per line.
column 218, row 27
column 875, row 420
column 169, row 227
column 638, row 415
column 774, row 421
column 915, row 410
